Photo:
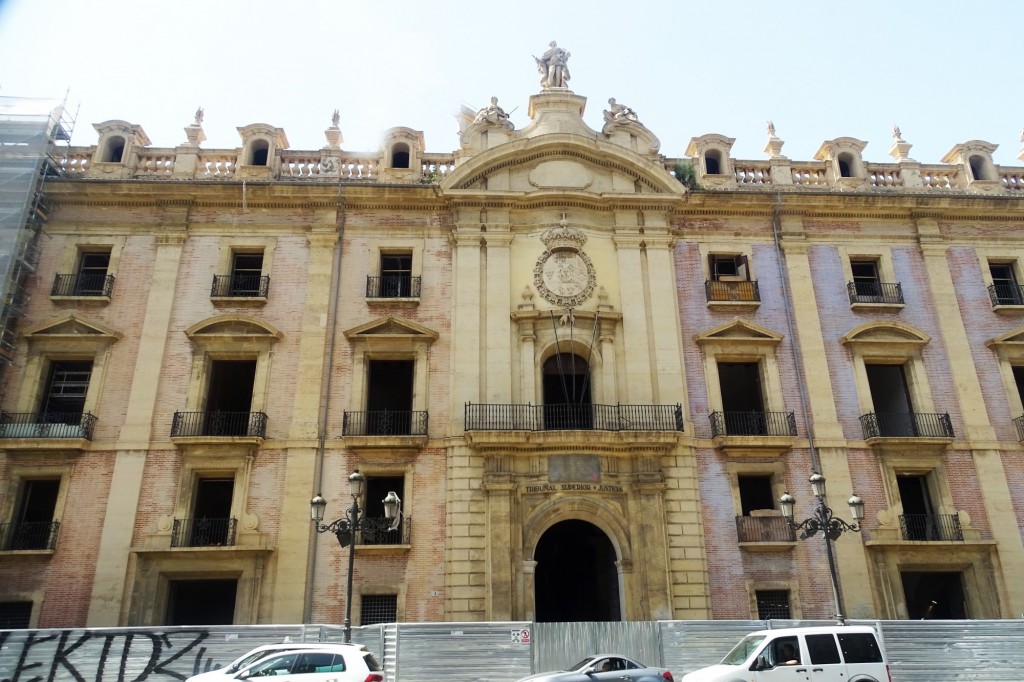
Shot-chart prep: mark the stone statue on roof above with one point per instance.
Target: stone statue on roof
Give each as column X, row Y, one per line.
column 199, row 116
column 492, row 113
column 335, row 118
column 553, row 66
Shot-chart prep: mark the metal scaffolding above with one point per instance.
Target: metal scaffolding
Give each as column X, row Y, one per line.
column 34, row 138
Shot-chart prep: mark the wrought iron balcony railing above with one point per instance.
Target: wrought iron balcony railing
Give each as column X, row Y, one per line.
column 752, row 424
column 47, row 425
column 82, row 285
column 875, row 292
column 931, row 527
column 240, row 286
column 518, row 417
column 23, row 535
column 1019, row 423
column 204, row 532
column 392, row 286
column 764, row 529
column 245, row 424
column 384, row 423
column 906, row 425
column 1006, row 294
column 376, row 531
column 716, row 290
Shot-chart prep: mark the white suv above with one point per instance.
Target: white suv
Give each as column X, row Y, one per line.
column 355, row 660
column 841, row 653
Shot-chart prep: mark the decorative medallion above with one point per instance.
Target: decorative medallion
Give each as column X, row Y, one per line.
column 564, row 275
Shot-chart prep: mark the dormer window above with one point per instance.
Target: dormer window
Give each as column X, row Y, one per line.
column 260, row 150
column 400, row 155
column 845, row 162
column 713, row 162
column 114, row 150
column 979, row 169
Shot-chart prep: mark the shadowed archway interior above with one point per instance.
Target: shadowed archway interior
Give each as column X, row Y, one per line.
column 576, row 578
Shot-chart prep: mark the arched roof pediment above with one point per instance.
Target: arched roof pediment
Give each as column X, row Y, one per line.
column 880, row 333
column 236, row 326
column 574, row 151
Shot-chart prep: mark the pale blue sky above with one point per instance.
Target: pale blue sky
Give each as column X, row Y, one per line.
column 946, row 72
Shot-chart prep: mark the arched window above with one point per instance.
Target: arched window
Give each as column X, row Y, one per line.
column 114, row 149
column 259, row 152
column 845, row 165
column 713, row 162
column 400, row 155
column 978, row 167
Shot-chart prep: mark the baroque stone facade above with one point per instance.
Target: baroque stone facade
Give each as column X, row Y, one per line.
column 588, row 370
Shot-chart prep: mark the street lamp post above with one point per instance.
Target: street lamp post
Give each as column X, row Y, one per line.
column 346, row 527
column 830, row 527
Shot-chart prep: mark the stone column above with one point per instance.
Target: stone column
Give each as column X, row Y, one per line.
column 109, row 581
column 497, row 346
column 499, row 579
column 669, row 383
column 635, row 330
column 651, row 543
column 530, row 589
column 468, row 331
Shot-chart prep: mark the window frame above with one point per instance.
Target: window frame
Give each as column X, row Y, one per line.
column 21, row 473
column 755, row 586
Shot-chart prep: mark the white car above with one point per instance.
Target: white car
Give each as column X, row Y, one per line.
column 355, row 657
column 840, row 653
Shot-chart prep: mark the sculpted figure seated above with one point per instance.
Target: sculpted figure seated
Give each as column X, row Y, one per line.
column 493, row 114
column 618, row 114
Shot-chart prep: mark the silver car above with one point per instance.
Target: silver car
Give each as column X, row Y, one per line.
column 605, row 667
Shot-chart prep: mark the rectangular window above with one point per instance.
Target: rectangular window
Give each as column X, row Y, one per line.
column 728, row 267
column 92, row 273
column 822, row 649
column 15, row 615
column 378, row 608
column 1005, row 290
column 66, row 388
column 33, row 526
column 247, row 274
column 389, row 398
column 772, row 604
column 396, row 275
column 378, row 530
column 211, row 524
column 866, row 280
column 859, row 647
column 755, row 493
column 890, row 397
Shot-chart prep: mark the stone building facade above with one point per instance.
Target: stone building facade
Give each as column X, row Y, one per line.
column 589, row 371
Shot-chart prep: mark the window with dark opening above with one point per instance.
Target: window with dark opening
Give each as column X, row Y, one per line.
column 978, row 168
column 396, row 275
column 229, row 398
column 246, row 274
column 728, row 267
column 389, row 398
column 1018, row 380
column 33, row 526
column 66, row 387
column 890, row 396
column 377, row 530
column 918, row 521
column 201, row 602
column 260, row 151
column 755, row 492
column 713, row 162
column 866, row 281
column 567, row 398
column 772, row 604
column 378, row 608
column 15, row 615
column 400, row 155
column 114, row 149
column 92, row 273
column 742, row 402
column 845, row 162
column 1004, row 284
column 934, row 595
column 211, row 524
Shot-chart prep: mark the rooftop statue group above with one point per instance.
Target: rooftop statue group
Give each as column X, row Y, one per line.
column 553, row 67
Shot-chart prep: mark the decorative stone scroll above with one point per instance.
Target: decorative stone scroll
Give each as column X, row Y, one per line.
column 564, row 274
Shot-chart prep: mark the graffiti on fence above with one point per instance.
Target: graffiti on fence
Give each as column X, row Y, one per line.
column 103, row 656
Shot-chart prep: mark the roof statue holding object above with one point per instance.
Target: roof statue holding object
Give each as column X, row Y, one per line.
column 553, row 66
column 493, row 114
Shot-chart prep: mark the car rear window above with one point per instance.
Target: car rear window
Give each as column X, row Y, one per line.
column 860, row 647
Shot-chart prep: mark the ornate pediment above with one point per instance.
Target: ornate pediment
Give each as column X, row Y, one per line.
column 391, row 327
column 234, row 326
column 70, row 327
column 739, row 330
column 885, row 333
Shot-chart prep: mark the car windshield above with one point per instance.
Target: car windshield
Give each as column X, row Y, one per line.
column 742, row 651
column 251, row 658
column 582, row 664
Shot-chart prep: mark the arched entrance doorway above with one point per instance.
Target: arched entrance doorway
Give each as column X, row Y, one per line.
column 567, row 393
column 576, row 578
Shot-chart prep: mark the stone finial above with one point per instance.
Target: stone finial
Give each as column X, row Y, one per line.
column 333, row 134
column 900, row 149
column 774, row 147
column 897, row 136
column 194, row 134
column 771, row 131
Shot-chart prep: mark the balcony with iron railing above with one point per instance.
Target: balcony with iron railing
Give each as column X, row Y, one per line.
column 741, row 295
column 922, row 425
column 931, row 527
column 392, row 286
column 378, row 531
column 47, row 425
column 752, row 424
column 762, row 529
column 240, row 286
column 28, row 535
column 204, row 532
column 1007, row 298
column 216, row 424
column 520, row 417
column 385, row 423
column 83, row 286
column 875, row 293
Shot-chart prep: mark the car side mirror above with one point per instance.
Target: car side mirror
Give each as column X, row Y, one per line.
column 761, row 663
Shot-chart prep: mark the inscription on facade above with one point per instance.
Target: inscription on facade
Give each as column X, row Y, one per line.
column 574, row 488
